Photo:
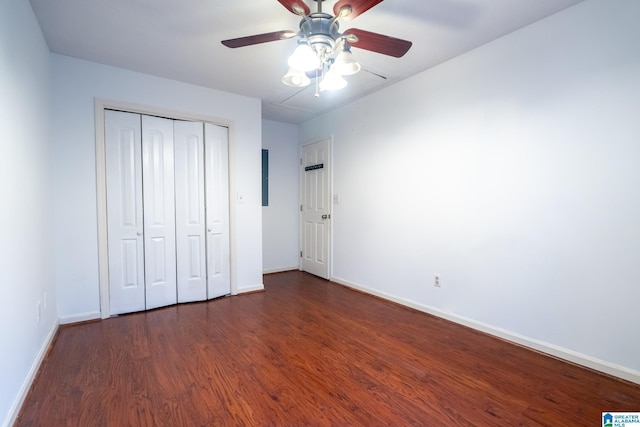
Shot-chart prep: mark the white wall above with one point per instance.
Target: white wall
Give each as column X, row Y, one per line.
column 76, row 84
column 26, row 262
column 280, row 218
column 513, row 172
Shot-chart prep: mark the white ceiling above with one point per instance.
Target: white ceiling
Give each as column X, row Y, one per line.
column 180, row 40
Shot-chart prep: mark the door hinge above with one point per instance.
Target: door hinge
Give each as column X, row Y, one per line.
column 300, row 161
column 300, row 254
column 300, row 208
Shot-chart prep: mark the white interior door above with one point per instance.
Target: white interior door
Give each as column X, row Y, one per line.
column 123, row 151
column 315, row 170
column 159, row 212
column 217, row 210
column 190, row 217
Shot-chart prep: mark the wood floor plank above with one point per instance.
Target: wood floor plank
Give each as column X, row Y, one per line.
column 306, row 352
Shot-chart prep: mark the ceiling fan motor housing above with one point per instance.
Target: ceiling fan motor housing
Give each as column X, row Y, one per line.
column 320, row 30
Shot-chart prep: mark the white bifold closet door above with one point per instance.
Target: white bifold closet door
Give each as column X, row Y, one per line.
column 123, row 145
column 202, row 210
column 190, row 204
column 167, row 211
column 158, row 201
column 217, row 213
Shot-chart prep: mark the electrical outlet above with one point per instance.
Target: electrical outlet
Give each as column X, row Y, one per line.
column 437, row 280
column 38, row 311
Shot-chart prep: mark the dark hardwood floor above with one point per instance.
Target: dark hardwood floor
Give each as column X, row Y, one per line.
column 306, row 352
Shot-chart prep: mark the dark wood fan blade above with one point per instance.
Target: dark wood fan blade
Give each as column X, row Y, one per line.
column 358, row 7
column 258, row 38
column 379, row 43
column 289, row 4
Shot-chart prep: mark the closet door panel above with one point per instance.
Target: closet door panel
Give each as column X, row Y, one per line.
column 217, row 210
column 124, row 212
column 190, row 216
column 159, row 211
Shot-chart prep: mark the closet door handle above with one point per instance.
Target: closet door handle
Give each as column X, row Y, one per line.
column 139, row 233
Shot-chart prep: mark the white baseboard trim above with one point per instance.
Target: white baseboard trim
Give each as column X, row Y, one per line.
column 280, row 270
column 544, row 347
column 31, row 376
column 256, row 288
column 65, row 320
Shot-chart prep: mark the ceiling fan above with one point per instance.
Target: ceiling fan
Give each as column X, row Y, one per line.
column 323, row 51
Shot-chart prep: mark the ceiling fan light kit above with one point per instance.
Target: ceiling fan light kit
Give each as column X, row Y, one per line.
column 318, row 48
column 322, row 47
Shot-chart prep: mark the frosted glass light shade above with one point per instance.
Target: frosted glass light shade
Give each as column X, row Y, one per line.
column 296, row 78
column 345, row 64
column 304, row 58
column 332, row 81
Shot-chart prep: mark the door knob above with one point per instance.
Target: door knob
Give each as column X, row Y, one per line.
column 139, row 233
column 325, row 216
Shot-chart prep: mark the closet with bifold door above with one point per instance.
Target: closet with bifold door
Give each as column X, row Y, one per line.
column 167, row 185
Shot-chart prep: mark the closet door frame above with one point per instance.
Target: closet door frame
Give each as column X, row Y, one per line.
column 101, row 182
